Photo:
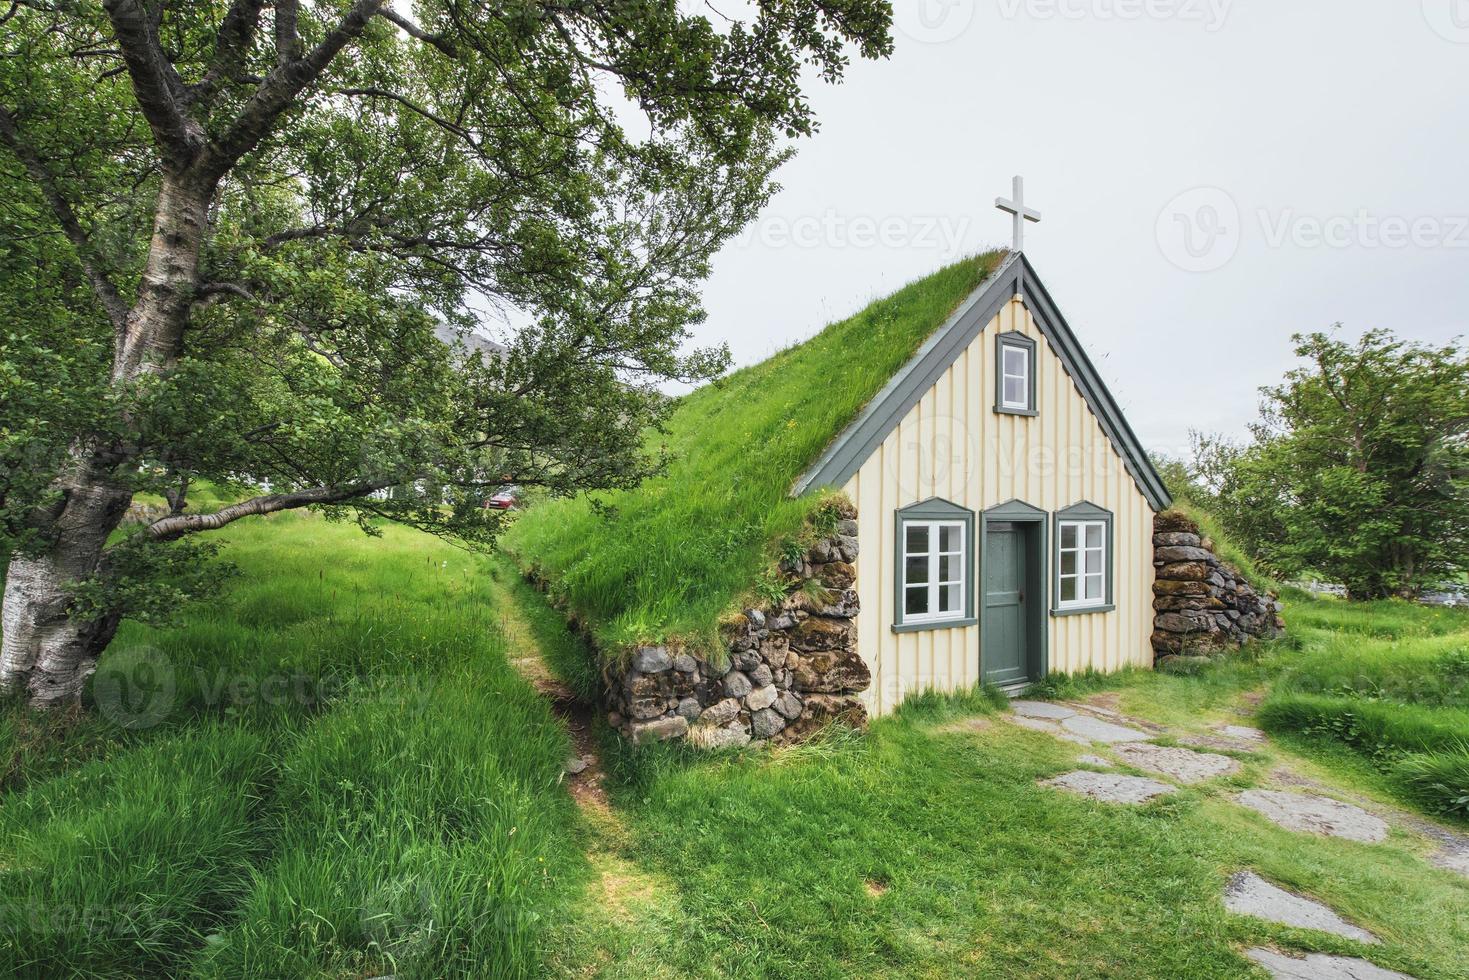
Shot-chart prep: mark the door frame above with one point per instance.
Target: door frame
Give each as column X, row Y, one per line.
column 1036, row 524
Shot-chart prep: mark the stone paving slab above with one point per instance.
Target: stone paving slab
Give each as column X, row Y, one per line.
column 1110, row 787
column 1315, row 815
column 1249, row 894
column 1184, row 765
column 1317, row 966
column 1035, row 724
column 1096, row 760
column 1103, row 731
column 1243, row 733
column 1453, row 859
column 1041, row 709
column 1218, row 743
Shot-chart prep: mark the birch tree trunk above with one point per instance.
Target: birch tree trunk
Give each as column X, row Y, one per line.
column 48, row 650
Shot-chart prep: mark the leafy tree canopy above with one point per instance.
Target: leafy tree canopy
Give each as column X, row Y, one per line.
column 1359, row 466
column 231, row 229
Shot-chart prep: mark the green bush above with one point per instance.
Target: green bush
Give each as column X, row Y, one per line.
column 1440, row 781
column 1379, row 729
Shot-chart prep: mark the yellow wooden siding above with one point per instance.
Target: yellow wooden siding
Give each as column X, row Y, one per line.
column 953, row 445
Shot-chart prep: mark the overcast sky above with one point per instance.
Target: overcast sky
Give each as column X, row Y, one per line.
column 1213, row 175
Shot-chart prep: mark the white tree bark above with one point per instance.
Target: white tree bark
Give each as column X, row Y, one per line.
column 47, row 651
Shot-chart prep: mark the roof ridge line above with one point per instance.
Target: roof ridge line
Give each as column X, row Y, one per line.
column 1013, row 277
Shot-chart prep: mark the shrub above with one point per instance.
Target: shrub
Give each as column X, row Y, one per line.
column 1439, row 780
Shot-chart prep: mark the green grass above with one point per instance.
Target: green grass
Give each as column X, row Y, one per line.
column 1224, row 546
column 679, row 552
column 1389, row 680
column 925, row 848
column 566, row 655
column 337, row 774
column 400, row 810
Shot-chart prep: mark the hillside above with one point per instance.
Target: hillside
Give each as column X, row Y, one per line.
column 676, row 554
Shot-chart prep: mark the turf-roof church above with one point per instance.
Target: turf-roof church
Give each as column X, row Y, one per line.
column 1004, row 506
column 935, row 492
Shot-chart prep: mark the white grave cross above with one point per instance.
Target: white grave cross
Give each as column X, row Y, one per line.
column 1017, row 208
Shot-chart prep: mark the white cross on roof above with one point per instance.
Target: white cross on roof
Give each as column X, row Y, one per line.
column 1021, row 213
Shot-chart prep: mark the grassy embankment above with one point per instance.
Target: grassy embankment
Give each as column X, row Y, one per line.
column 685, row 548
column 333, row 772
column 409, row 821
column 1389, row 681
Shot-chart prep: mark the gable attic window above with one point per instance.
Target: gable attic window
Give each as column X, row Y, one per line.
column 1015, row 374
column 935, row 560
column 1084, row 564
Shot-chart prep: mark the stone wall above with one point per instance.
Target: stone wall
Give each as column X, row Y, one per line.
column 788, row 669
column 1202, row 605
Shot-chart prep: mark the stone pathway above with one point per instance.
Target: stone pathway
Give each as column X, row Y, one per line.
column 1106, row 732
column 1249, row 894
column 1319, row 967
column 1067, row 722
column 1042, row 709
column 1241, row 733
column 1110, row 787
column 1182, row 765
column 1131, row 742
column 1315, row 815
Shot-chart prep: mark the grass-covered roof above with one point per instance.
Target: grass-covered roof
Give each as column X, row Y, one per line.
column 685, row 548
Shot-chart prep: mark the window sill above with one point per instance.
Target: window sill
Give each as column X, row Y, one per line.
column 938, row 624
column 1082, row 610
column 1025, row 412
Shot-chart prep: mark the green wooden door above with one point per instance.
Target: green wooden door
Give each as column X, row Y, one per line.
column 1003, row 657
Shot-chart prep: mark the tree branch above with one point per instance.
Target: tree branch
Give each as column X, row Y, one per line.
column 178, row 525
column 411, row 106
column 156, row 85
column 280, row 89
column 287, row 41
column 231, row 46
column 102, row 287
column 414, row 31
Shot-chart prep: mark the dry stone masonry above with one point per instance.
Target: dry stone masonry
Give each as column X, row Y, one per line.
column 1202, row 605
column 789, row 669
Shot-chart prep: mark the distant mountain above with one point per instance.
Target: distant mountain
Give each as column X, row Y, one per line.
column 470, row 341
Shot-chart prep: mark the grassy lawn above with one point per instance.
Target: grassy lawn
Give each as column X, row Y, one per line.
column 1389, row 682
column 399, row 808
column 927, row 849
column 348, row 780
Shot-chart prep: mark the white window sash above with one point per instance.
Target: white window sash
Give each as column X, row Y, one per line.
column 1007, row 375
column 1081, row 576
column 935, row 585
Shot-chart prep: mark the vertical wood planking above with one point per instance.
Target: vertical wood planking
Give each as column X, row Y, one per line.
column 953, row 445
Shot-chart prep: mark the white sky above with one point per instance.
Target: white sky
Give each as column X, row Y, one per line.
column 1292, row 111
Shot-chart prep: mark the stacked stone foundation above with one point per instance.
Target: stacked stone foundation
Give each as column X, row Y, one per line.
column 1202, row 606
column 787, row 669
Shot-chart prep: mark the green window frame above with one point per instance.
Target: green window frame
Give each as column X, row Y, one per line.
column 1015, row 369
column 1084, row 560
column 933, row 567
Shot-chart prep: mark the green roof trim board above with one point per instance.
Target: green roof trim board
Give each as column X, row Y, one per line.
column 1014, row 277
